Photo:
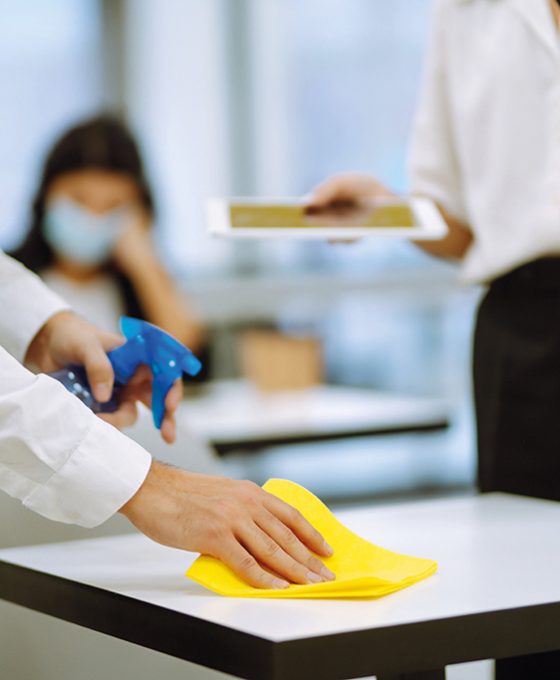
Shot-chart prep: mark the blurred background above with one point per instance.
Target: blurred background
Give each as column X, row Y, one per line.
column 262, row 97
column 265, row 97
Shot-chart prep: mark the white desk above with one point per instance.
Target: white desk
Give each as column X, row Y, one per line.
column 497, row 594
column 234, row 415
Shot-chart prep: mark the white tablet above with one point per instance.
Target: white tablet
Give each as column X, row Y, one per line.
column 414, row 218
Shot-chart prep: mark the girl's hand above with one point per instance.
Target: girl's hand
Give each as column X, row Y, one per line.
column 134, row 251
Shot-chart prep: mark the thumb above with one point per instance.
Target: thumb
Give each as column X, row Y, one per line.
column 334, row 189
column 98, row 368
column 322, row 194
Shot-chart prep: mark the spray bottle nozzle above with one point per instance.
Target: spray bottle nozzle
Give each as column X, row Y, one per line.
column 146, row 344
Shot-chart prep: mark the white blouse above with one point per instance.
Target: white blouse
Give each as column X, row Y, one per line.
column 486, row 140
column 57, row 457
column 98, row 300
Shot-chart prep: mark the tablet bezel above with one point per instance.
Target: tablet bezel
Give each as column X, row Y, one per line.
column 430, row 223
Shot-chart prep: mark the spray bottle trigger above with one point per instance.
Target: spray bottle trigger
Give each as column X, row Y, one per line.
column 160, row 387
column 131, row 327
column 190, row 364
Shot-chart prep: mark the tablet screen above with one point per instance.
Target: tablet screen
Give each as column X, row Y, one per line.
column 279, row 216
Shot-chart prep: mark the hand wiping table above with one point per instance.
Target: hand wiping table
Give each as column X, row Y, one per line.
column 363, row 570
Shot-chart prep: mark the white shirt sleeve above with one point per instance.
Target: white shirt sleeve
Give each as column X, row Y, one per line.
column 56, row 456
column 433, row 164
column 25, row 304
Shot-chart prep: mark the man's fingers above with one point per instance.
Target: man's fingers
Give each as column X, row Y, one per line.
column 110, row 341
column 246, row 566
column 142, row 392
column 139, row 388
column 142, row 374
column 291, row 544
column 295, row 521
column 269, row 553
column 172, row 401
column 169, row 429
column 98, row 368
column 138, row 392
column 125, row 416
column 174, row 396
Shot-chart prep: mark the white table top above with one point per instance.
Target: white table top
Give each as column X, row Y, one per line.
column 495, row 552
column 236, row 411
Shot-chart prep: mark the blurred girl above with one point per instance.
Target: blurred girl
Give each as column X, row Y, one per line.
column 89, row 236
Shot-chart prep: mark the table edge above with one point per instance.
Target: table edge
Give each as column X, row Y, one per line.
column 224, row 446
column 397, row 648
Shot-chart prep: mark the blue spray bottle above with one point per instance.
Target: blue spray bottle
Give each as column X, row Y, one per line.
column 146, row 344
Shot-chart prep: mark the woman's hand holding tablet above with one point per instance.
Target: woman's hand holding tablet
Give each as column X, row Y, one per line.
column 344, row 207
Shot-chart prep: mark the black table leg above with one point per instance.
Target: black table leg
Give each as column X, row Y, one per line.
column 423, row 675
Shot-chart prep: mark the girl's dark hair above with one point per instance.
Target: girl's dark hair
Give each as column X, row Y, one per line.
column 103, row 143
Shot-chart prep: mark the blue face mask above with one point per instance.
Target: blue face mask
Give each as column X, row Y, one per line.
column 77, row 235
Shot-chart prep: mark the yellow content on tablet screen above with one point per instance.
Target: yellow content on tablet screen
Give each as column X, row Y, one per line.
column 382, row 215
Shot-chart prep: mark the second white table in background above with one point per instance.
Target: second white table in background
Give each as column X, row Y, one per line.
column 234, row 415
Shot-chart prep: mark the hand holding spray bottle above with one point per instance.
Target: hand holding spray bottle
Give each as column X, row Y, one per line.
column 146, row 344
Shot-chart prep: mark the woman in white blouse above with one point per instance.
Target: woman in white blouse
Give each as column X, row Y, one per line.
column 486, row 148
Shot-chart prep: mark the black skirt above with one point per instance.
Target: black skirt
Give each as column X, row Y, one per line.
column 516, row 368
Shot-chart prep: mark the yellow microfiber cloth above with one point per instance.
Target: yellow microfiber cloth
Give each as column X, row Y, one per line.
column 363, row 570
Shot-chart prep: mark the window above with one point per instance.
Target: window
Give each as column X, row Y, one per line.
column 334, row 86
column 269, row 97
column 50, row 70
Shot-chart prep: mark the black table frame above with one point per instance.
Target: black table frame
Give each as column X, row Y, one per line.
column 248, row 445
column 412, row 651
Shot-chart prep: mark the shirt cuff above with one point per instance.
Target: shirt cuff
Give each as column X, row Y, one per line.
column 31, row 305
column 101, row 475
column 437, row 194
